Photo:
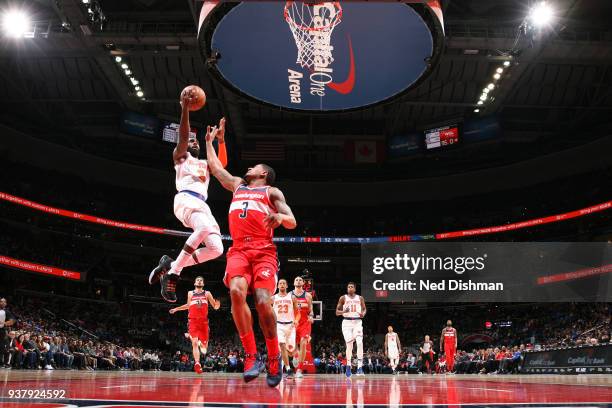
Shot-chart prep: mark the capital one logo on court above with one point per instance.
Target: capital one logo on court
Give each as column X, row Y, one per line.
column 315, row 52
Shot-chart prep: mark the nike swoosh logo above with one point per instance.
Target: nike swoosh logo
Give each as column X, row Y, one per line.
column 346, row 86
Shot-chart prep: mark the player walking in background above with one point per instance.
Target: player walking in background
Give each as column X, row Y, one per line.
column 392, row 348
column 256, row 210
column 304, row 326
column 197, row 304
column 352, row 307
column 190, row 205
column 448, row 344
column 287, row 317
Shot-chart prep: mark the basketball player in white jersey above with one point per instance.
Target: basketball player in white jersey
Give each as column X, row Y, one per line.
column 192, row 178
column 352, row 308
column 392, row 348
column 287, row 317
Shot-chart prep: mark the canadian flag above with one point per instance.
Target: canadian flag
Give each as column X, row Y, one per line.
column 365, row 151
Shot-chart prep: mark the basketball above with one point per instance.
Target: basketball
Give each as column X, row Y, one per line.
column 200, row 97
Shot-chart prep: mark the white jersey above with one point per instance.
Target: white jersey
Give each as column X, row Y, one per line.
column 283, row 307
column 392, row 340
column 192, row 175
column 353, row 304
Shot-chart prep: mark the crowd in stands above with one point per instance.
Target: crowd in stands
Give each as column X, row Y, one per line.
column 84, row 336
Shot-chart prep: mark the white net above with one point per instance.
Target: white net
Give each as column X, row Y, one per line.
column 312, row 25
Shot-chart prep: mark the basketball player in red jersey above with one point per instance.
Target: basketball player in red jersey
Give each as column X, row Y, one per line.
column 252, row 263
column 190, row 207
column 449, row 338
column 197, row 304
column 304, row 327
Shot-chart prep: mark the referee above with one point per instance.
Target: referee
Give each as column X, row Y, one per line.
column 7, row 319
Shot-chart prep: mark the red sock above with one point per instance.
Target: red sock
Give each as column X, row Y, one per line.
column 272, row 345
column 248, row 342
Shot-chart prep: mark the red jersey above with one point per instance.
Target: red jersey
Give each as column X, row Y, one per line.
column 249, row 207
column 198, row 308
column 450, row 335
column 303, row 309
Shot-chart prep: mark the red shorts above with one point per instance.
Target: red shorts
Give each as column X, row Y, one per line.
column 302, row 331
column 258, row 266
column 198, row 328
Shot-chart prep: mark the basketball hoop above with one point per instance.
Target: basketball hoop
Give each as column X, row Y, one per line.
column 311, row 24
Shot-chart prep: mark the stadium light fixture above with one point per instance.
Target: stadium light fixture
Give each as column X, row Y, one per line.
column 85, row 1
column 476, row 110
column 486, row 91
column 117, row 59
column 140, row 94
column 506, row 63
column 541, row 14
column 124, row 66
column 479, row 103
column 134, row 81
column 128, row 72
column 499, row 70
column 496, row 76
column 137, row 88
column 491, row 86
column 15, row 23
column 483, row 97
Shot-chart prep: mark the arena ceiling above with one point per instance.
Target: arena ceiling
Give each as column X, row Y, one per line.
column 66, row 77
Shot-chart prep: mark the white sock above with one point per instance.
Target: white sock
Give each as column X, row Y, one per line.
column 359, row 352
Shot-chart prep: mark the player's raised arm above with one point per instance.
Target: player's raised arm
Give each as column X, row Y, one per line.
column 182, row 307
column 228, row 181
column 363, row 306
column 221, row 141
column 340, row 307
column 180, row 151
column 284, row 216
column 215, row 303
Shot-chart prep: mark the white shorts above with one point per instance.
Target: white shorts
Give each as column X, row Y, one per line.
column 286, row 334
column 186, row 206
column 351, row 329
column 393, row 353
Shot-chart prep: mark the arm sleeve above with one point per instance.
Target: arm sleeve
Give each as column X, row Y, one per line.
column 222, row 154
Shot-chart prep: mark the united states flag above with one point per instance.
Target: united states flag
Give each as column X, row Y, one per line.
column 264, row 150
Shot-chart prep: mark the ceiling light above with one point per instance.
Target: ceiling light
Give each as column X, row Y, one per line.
column 137, row 88
column 140, row 94
column 117, row 59
column 128, row 72
column 506, row 63
column 496, row 76
column 124, row 66
column 479, row 103
column 134, row 81
column 491, row 86
column 485, row 91
column 541, row 14
column 476, row 110
column 499, row 70
column 15, row 23
column 483, row 97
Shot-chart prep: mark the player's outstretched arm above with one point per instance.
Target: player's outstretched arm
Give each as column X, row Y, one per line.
column 228, row 181
column 284, row 216
column 221, row 141
column 182, row 307
column 340, row 307
column 180, row 151
column 215, row 303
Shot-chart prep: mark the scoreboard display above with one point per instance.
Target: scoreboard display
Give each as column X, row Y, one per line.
column 170, row 132
column 440, row 137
